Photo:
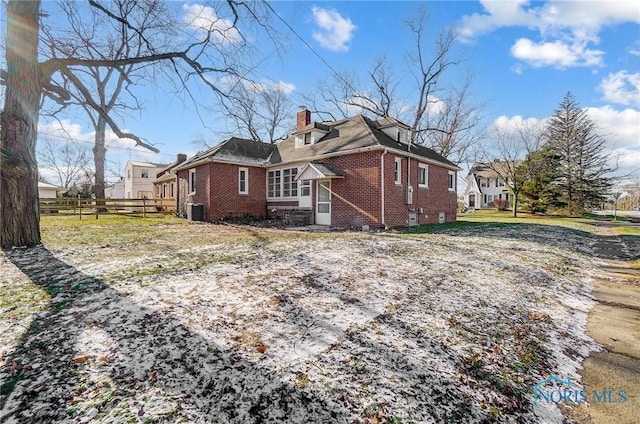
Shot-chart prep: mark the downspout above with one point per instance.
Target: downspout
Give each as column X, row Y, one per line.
column 384, row 152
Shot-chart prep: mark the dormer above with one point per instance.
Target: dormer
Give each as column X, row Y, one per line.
column 395, row 129
column 308, row 133
column 311, row 134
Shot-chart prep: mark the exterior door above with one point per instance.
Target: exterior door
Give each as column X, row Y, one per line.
column 472, row 200
column 323, row 203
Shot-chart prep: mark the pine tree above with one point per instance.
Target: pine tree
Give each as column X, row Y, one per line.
column 539, row 192
column 582, row 169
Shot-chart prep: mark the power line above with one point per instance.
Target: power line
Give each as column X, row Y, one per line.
column 306, row 43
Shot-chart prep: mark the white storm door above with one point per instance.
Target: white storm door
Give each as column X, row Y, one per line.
column 323, row 203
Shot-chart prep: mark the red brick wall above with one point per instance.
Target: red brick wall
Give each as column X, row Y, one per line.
column 355, row 198
column 224, row 198
column 201, row 194
column 217, row 189
column 433, row 200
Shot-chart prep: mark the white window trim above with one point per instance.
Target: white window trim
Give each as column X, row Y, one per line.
column 455, row 183
column 426, row 175
column 397, row 165
column 192, row 181
column 246, row 180
column 282, row 198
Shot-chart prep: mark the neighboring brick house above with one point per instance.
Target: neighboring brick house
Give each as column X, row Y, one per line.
column 164, row 186
column 484, row 185
column 348, row 173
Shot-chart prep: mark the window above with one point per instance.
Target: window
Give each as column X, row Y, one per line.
column 243, row 180
column 144, row 173
column 397, row 171
column 289, row 184
column 423, row 175
column 128, row 174
column 452, row 181
column 171, row 191
column 500, row 183
column 192, row 181
column 305, row 188
column 157, row 191
column 483, row 183
column 273, row 183
column 164, row 190
column 282, row 183
column 307, row 139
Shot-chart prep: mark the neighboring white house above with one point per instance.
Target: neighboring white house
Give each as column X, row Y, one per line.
column 49, row 191
column 484, row 185
column 139, row 178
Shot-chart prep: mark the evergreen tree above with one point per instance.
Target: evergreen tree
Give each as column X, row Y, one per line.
column 540, row 192
column 582, row 166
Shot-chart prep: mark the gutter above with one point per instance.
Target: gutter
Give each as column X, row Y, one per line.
column 384, row 152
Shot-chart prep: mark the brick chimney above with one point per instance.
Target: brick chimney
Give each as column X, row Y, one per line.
column 303, row 118
column 181, row 158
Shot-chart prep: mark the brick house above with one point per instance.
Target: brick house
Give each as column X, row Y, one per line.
column 164, row 186
column 347, row 173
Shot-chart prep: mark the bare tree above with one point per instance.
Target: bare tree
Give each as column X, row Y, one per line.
column 440, row 117
column 454, row 128
column 69, row 161
column 509, row 144
column 205, row 57
column 104, row 86
column 257, row 111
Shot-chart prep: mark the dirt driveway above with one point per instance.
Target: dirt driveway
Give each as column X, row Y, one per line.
column 615, row 324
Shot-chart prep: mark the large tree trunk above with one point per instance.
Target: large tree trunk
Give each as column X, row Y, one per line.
column 19, row 213
column 99, row 154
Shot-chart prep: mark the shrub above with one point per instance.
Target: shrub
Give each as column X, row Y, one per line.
column 500, row 204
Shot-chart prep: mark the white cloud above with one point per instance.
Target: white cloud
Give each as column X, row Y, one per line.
column 619, row 128
column 548, row 18
column 556, row 53
column 205, row 20
column 621, row 88
column 230, row 81
column 334, row 31
column 510, row 125
column 65, row 131
column 566, row 28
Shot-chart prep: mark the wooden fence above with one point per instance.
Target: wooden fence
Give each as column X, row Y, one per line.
column 81, row 206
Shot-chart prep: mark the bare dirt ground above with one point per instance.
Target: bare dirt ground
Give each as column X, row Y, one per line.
column 176, row 322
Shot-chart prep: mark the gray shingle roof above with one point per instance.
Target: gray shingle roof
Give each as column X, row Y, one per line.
column 342, row 137
column 235, row 150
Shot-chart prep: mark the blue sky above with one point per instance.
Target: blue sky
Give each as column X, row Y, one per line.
column 525, row 56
